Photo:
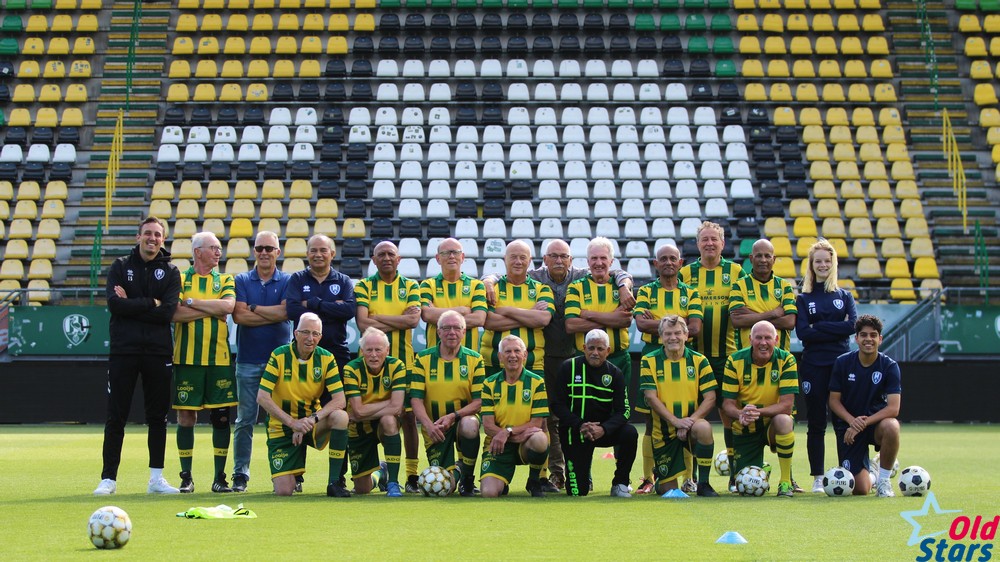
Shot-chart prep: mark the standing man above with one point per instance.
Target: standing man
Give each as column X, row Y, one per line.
column 864, row 398
column 203, row 377
column 374, row 384
column 446, row 384
column 758, row 393
column 297, row 376
column 680, row 390
column 142, row 291
column 514, row 405
column 713, row 276
column 328, row 293
column 453, row 290
column 390, row 302
column 589, row 398
column 663, row 296
column 557, row 272
column 261, row 327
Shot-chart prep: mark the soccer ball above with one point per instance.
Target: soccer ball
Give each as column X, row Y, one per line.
column 752, row 481
column 914, row 481
column 109, row 527
column 875, row 466
column 721, row 463
column 436, row 481
column 838, row 482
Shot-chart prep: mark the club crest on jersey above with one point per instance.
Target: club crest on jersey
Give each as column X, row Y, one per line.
column 725, row 278
column 684, row 301
column 317, row 374
column 129, row 275
column 306, row 289
column 159, row 274
column 335, row 289
column 614, row 294
column 531, row 293
column 578, row 379
column 463, row 371
column 385, row 381
column 606, row 380
column 216, row 286
column 690, row 371
column 774, row 375
column 526, row 395
column 466, row 290
column 402, row 292
column 777, row 292
column 876, row 377
column 838, row 304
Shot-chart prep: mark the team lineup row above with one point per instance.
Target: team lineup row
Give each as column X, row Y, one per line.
column 536, row 324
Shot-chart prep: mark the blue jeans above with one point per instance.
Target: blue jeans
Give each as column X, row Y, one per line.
column 247, row 383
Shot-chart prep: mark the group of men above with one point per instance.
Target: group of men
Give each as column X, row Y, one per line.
column 548, row 382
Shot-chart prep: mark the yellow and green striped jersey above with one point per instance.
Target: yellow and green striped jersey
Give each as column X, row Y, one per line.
column 391, row 299
column 683, row 301
column 760, row 297
column 373, row 387
column 296, row 385
column 446, row 385
column 204, row 341
column 439, row 293
column 514, row 404
column 761, row 386
column 587, row 294
column 681, row 385
column 525, row 296
column 713, row 285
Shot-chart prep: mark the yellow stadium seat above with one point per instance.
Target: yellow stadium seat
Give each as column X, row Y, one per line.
column 217, row 189
column 778, row 69
column 237, row 23
column 288, row 22
column 187, row 23
column 755, row 92
column 855, row 68
column 260, row 46
column 906, row 189
column 820, row 171
column 162, row 190
column 782, row 246
column 981, row 70
column 844, row 4
column 263, row 4
column 309, row 68
column 256, row 92
column 829, row 68
column 30, row 69
column 235, row 46
column 235, row 266
column 860, row 228
column 289, row 4
column 801, row 45
column 833, row 92
column 51, row 93
column 926, row 268
column 232, row 68
column 916, row 227
column 270, row 208
column 810, row 116
column 775, row 45
column 851, row 189
column 16, row 250
column 804, row 226
column 311, row 45
column 991, row 23
column 813, row 134
column 326, row 226
column 272, row 189
column 301, row 208
column 205, row 92
column 294, row 248
column 258, row 68
column 300, row 189
column 784, row 115
column 902, row 290
column 840, row 134
column 826, row 45
column 244, row 209
column 184, row 228
column 37, row 24
column 824, row 189
column 817, row 152
column 784, row 267
column 747, row 23
column 20, row 228
column 283, row 69
column 27, row 190
column 338, row 23
column 181, row 247
column 885, row 93
column 773, row 23
column 364, row 23
column 802, row 246
column 871, row 152
column 215, row 209
column 38, row 292
column 775, row 226
column 23, row 93
column 921, row 248
column 875, row 171
column 869, row 268
column 827, row 208
column 780, row 92
column 312, row 22
column 245, row 189
column 844, row 152
column 187, row 209
column 42, row 269
column 911, row 208
column 297, row 228
column 878, row 45
column 851, row 46
column 803, row 68
column 744, row 4
column 179, row 68
column 893, row 248
column 879, row 189
column 833, row 227
column 208, row 46
column 231, row 93
column 800, row 208
column 292, row 265
column 241, row 228
column 336, row 45
column 46, row 117
column 866, row 134
column 237, row 248
column 795, row 4
column 749, row 45
column 188, row 4
column 262, row 22
column 855, row 208
column 896, row 152
column 286, row 45
column 53, row 209
column 206, row 69
column 884, row 208
column 161, row 208
column 353, row 228
column 797, row 22
column 887, row 228
column 12, row 269
column 183, row 46
column 859, row 93
column 848, row 23
column 975, row 47
column 190, row 189
column 752, row 68
column 902, row 170
column 822, row 23
column 25, row 209
column 985, row 94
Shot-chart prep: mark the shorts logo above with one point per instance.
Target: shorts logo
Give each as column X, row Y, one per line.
column 402, row 292
column 335, row 289
column 317, row 374
column 606, row 380
column 463, row 371
column 182, row 397
column 838, row 304
column 486, row 466
column 806, row 387
column 385, row 381
column 76, row 328
column 277, row 463
column 159, row 274
column 725, row 278
column 876, row 377
column 354, row 465
column 526, row 395
column 690, row 370
column 222, row 384
column 774, row 375
column 662, row 469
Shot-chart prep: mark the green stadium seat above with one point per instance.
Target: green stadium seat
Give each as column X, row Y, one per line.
column 694, row 4
column 725, row 68
column 41, row 4
column 9, row 46
column 645, row 22
column 567, row 4
column 721, row 22
column 966, row 4
column 617, row 4
column 12, row 24
column 670, row 22
column 441, row 4
column 593, row 4
column 723, row 46
column 390, row 4
column 718, row 4
column 542, row 4
column 643, row 4
column 492, row 4
column 670, row 4
column 989, row 5
column 15, row 5
column 517, row 4
column 697, row 44
column 695, row 22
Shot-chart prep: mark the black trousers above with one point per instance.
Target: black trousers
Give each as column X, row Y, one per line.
column 815, row 387
column 579, row 455
column 124, row 371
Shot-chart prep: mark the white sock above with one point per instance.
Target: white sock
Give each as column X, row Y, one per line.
column 884, row 473
column 155, row 474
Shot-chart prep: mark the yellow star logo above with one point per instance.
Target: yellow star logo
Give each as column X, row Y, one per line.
column 911, row 518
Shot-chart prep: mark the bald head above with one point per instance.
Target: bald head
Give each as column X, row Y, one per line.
column 762, row 260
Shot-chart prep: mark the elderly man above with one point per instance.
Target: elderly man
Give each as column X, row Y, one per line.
column 142, row 294
column 758, row 393
column 864, row 399
column 514, row 405
column 374, row 385
column 391, row 302
column 663, row 296
column 680, row 390
column 762, row 295
column 453, row 290
column 297, row 376
column 445, row 386
column 328, row 293
column 557, row 272
column 261, row 326
column 203, row 376
column 589, row 398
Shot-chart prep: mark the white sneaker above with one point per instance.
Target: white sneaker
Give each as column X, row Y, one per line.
column 161, row 486
column 106, row 487
column 689, row 486
column 818, row 485
column 884, row 488
column 620, row 491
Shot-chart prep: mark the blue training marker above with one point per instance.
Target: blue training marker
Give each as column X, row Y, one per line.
column 675, row 493
column 731, row 537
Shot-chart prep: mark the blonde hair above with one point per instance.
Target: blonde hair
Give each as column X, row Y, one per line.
column 709, row 224
column 809, row 277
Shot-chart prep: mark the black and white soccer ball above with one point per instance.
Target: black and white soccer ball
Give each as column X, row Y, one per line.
column 914, row 481
column 838, row 481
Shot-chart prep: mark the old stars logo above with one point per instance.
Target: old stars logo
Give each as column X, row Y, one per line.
column 606, row 380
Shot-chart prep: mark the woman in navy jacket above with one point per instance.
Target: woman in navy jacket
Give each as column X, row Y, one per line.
column 825, row 322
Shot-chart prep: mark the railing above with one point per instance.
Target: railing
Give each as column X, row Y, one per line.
column 953, row 154
column 133, row 41
column 915, row 337
column 95, row 259
column 982, row 260
column 19, row 297
column 930, row 56
column 114, row 163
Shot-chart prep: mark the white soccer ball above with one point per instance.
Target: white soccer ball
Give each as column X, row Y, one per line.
column 436, row 481
column 914, row 481
column 752, row 481
column 109, row 527
column 721, row 463
column 875, row 466
column 838, row 481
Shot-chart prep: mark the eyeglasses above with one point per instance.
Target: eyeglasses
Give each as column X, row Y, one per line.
column 558, row 256
column 310, row 333
column 449, row 253
column 263, row 249
column 450, row 328
column 216, row 249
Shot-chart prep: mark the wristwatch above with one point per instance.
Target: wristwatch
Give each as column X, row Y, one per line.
column 510, row 430
column 188, row 301
column 252, row 307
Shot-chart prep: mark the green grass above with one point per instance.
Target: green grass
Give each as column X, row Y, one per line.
column 47, row 474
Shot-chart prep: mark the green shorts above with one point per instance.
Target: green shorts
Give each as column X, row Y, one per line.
column 639, row 404
column 443, row 454
column 284, row 458
column 668, row 458
column 501, row 466
column 748, row 448
column 198, row 387
column 363, row 439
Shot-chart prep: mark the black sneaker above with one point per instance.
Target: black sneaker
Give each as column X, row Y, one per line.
column 467, row 488
column 337, row 490
column 220, row 486
column 382, row 483
column 187, row 483
column 547, row 486
column 239, row 482
column 411, row 484
column 534, row 487
column 298, row 483
column 705, row 490
column 506, row 490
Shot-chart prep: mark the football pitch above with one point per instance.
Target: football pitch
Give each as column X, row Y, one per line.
column 48, row 473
